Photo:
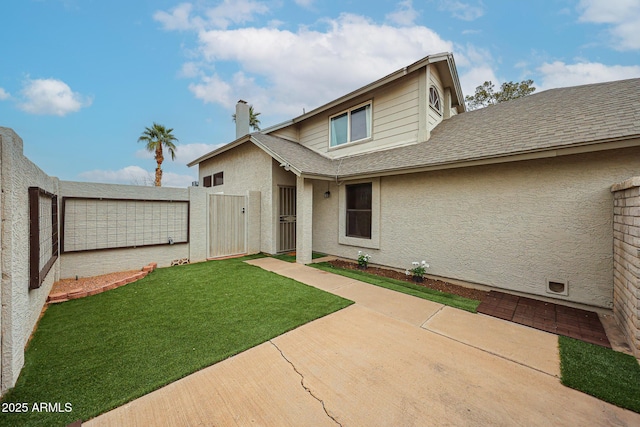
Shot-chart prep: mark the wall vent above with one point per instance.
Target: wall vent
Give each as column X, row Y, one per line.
column 557, row 287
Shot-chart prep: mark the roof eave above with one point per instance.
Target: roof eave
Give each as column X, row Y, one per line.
column 588, row 147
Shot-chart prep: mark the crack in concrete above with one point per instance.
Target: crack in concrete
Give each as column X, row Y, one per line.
column 307, row 389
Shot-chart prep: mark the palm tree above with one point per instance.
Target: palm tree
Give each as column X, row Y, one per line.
column 157, row 137
column 254, row 121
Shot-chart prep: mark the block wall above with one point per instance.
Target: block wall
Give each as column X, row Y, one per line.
column 20, row 306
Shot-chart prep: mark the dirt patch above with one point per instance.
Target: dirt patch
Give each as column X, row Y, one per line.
column 437, row 285
column 90, row 283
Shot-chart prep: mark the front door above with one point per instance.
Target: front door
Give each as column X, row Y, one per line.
column 287, row 219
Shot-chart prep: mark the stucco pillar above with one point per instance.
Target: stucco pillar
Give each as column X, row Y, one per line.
column 626, row 259
column 304, row 220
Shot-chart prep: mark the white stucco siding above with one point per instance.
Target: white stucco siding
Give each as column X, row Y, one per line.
column 21, row 306
column 246, row 168
column 510, row 226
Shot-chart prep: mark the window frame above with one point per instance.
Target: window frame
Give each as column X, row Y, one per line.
column 207, row 181
column 348, row 230
column 374, row 241
column 438, row 100
column 218, row 178
column 348, row 112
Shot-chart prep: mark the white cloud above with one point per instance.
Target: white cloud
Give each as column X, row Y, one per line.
column 475, row 66
column 559, row 74
column 4, row 94
column 135, row 175
column 185, row 153
column 303, row 69
column 51, row 97
column 190, row 70
column 460, row 10
column 189, row 152
column 178, row 19
column 221, row 16
column 405, row 15
column 622, row 15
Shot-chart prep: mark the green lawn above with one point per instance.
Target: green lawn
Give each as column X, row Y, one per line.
column 100, row 352
column 404, row 287
column 601, row 372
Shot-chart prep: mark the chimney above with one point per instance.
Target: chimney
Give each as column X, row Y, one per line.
column 242, row 119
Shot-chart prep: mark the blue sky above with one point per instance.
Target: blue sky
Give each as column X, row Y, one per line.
column 81, row 79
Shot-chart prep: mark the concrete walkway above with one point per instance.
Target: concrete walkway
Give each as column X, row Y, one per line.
column 388, row 360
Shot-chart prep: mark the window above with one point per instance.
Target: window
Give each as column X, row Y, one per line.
column 359, row 213
column 206, row 181
column 351, row 125
column 218, row 178
column 434, row 99
column 359, row 210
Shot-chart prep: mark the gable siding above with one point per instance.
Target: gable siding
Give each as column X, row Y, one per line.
column 290, row 133
column 314, row 133
column 394, row 121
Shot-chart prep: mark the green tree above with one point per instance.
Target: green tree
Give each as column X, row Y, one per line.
column 254, row 121
column 155, row 138
column 486, row 94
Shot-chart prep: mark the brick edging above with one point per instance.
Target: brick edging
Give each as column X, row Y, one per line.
column 79, row 293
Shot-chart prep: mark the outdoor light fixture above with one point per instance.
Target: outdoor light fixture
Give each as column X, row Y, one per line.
column 327, row 194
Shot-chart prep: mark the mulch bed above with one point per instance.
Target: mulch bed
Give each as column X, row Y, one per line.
column 437, row 285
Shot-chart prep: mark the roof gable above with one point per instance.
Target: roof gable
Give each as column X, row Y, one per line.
column 443, row 61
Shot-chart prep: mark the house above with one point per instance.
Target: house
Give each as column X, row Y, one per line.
column 515, row 196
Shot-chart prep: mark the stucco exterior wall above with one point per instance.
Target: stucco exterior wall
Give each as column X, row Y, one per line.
column 246, row 168
column 21, row 307
column 626, row 259
column 511, row 226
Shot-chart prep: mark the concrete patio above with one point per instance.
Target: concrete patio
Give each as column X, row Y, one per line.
column 388, row 360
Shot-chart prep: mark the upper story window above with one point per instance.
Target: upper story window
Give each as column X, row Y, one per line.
column 434, row 99
column 206, row 181
column 351, row 125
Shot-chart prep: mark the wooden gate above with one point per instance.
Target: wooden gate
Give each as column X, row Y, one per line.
column 287, row 219
column 227, row 225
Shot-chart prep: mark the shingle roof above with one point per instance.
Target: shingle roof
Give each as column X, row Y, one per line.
column 556, row 118
column 297, row 155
